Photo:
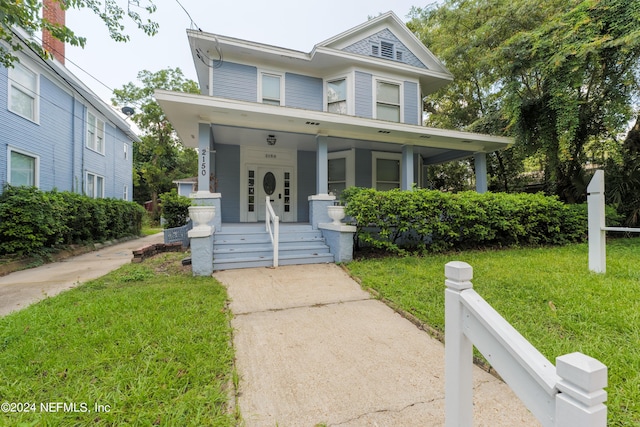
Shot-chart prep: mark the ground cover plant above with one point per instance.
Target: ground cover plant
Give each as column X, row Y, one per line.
column 548, row 294
column 147, row 344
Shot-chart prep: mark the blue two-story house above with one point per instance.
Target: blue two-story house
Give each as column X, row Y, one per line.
column 300, row 127
column 55, row 133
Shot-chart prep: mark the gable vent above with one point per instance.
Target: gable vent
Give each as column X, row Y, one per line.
column 398, row 56
column 375, row 50
column 386, row 50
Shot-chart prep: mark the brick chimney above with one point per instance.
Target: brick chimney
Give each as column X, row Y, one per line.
column 53, row 12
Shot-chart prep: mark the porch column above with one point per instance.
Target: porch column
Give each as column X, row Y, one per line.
column 407, row 167
column 322, row 165
column 480, row 160
column 204, row 158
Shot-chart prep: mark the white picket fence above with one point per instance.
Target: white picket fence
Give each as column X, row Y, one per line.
column 597, row 227
column 569, row 394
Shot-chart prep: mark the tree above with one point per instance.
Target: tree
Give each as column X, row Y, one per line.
column 558, row 75
column 160, row 157
column 27, row 15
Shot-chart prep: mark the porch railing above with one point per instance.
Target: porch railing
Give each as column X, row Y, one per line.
column 272, row 224
column 569, row 394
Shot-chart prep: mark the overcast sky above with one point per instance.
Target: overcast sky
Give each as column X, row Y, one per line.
column 292, row 24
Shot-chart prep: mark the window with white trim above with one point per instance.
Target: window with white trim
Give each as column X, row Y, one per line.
column 341, row 171
column 23, row 92
column 22, row 168
column 126, row 151
column 270, row 90
column 95, row 133
column 337, row 96
column 94, row 186
column 386, row 170
column 125, row 192
column 387, row 101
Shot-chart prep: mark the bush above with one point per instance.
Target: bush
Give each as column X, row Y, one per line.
column 433, row 221
column 33, row 221
column 175, row 209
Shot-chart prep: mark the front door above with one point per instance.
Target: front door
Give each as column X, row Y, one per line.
column 270, row 184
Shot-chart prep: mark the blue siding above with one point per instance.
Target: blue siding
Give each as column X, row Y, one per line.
column 303, row 92
column 236, row 81
column 363, row 168
column 364, row 96
column 228, row 175
column 306, row 182
column 363, row 47
column 411, row 107
column 58, row 140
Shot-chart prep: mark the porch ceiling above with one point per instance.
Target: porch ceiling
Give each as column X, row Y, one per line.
column 186, row 111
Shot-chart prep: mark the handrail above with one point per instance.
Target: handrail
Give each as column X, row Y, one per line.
column 569, row 394
column 271, row 217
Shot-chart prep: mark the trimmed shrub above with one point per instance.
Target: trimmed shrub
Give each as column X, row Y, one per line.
column 175, row 209
column 33, row 221
column 433, row 221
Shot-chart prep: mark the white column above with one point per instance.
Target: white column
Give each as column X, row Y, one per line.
column 482, row 183
column 458, row 350
column 322, row 165
column 597, row 236
column 407, row 167
column 204, row 158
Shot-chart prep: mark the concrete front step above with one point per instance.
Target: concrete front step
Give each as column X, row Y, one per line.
column 249, row 245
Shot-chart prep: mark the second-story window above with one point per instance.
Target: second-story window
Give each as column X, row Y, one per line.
column 23, row 92
column 337, row 96
column 271, row 89
column 95, row 133
column 387, row 101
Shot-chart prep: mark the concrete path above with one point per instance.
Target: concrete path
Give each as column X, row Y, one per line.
column 19, row 289
column 313, row 347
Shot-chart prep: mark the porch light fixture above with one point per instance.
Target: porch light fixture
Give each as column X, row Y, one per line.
column 271, row 139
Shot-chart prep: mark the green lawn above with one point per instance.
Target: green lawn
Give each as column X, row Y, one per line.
column 548, row 295
column 148, row 342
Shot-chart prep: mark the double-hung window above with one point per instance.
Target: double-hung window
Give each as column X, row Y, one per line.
column 22, row 168
column 337, row 96
column 23, row 92
column 94, row 186
column 95, row 133
column 387, row 101
column 271, row 89
column 341, row 171
column 386, row 170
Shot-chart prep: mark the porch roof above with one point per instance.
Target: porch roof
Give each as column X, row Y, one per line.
column 186, row 111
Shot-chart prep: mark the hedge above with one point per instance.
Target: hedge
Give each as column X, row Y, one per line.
column 33, row 221
column 175, row 209
column 433, row 221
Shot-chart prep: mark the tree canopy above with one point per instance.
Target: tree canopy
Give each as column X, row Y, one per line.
column 27, row 15
column 561, row 76
column 160, row 157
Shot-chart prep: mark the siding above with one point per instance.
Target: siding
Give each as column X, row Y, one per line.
column 363, row 47
column 364, row 96
column 411, row 107
column 306, row 182
column 236, row 81
column 303, row 92
column 228, row 175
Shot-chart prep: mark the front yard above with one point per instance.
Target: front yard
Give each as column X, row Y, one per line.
column 145, row 345
column 548, row 294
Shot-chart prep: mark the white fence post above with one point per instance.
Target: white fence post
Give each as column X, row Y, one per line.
column 458, row 349
column 580, row 402
column 597, row 233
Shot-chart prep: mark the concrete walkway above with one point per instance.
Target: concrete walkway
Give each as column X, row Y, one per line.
column 313, row 347
column 19, row 289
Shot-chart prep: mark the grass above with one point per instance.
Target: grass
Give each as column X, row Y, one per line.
column 548, row 295
column 149, row 342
